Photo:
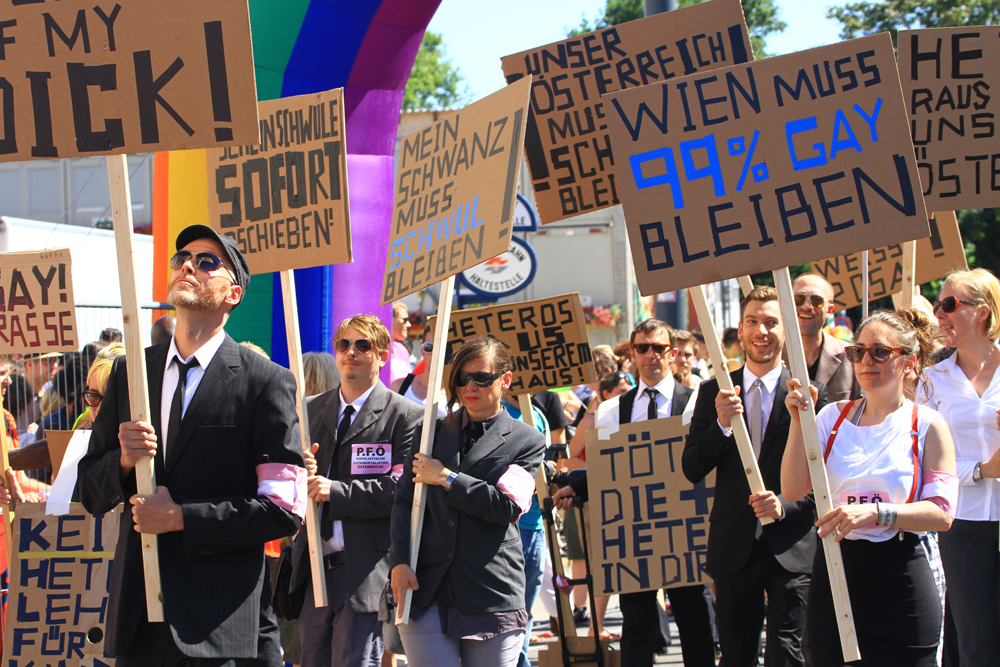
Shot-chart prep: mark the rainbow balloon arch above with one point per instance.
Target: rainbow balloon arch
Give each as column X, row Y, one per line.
column 366, row 47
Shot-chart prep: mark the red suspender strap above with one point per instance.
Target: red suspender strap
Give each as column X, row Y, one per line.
column 916, row 455
column 836, row 427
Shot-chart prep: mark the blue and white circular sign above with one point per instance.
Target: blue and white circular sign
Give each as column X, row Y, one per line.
column 505, row 274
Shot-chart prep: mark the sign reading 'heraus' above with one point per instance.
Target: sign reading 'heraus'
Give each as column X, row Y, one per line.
column 455, row 192
column 950, row 81
column 547, row 339
column 567, row 146
column 648, row 523
column 285, row 200
column 765, row 165
column 83, row 78
column 37, row 310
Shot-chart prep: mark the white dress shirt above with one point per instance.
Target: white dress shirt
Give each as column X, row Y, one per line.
column 336, row 543
column 973, row 423
column 171, row 375
column 607, row 413
column 769, row 384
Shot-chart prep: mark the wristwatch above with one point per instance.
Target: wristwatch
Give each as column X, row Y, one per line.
column 977, row 473
column 451, row 479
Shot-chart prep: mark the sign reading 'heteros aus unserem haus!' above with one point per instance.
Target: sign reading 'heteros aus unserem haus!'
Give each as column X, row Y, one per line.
column 455, row 189
column 284, row 201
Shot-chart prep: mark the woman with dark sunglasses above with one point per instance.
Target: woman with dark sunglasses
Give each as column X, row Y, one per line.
column 965, row 388
column 468, row 589
column 891, row 468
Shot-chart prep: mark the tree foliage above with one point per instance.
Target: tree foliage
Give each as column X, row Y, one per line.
column 761, row 16
column 982, row 243
column 434, row 83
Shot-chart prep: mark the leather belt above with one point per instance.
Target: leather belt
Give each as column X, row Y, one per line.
column 334, row 560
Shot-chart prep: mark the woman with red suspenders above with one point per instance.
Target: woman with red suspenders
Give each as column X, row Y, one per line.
column 891, row 466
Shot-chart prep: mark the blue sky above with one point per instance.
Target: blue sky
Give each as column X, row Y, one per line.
column 477, row 33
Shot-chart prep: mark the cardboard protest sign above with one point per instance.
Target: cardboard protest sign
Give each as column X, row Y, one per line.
column 648, row 524
column 547, row 339
column 947, row 76
column 79, row 79
column 937, row 256
column 455, row 192
column 37, row 310
column 59, row 579
column 765, row 165
column 567, row 146
column 284, row 200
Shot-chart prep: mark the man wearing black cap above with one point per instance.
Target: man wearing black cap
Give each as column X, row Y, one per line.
column 225, row 445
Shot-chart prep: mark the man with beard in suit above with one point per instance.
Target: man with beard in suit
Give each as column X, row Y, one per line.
column 361, row 431
column 224, row 439
column 747, row 560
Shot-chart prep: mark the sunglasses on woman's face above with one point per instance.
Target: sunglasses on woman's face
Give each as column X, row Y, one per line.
column 427, row 347
column 362, row 345
column 482, row 379
column 92, row 398
column 643, row 348
column 879, row 353
column 949, row 304
column 815, row 300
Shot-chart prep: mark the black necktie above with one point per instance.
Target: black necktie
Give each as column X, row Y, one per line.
column 326, row 525
column 651, row 410
column 473, row 433
column 176, row 407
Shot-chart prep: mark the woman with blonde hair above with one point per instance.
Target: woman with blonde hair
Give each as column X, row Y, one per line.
column 965, row 389
column 320, row 372
column 97, row 381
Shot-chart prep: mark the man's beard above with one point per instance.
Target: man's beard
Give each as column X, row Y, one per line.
column 200, row 297
column 752, row 354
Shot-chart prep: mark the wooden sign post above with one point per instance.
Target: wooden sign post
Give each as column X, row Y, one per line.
column 909, row 273
column 740, row 431
column 817, row 469
column 279, row 226
column 135, row 357
column 436, row 373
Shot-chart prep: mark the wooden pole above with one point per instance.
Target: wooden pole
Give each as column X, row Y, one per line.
column 909, row 273
column 817, row 469
column 436, row 372
column 542, row 489
column 864, row 285
column 745, row 284
column 313, row 513
column 740, row 432
column 135, row 357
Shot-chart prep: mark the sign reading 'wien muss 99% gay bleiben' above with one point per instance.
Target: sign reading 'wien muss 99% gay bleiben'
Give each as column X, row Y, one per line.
column 760, row 166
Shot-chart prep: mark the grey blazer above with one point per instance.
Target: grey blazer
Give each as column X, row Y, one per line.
column 836, row 372
column 362, row 502
column 470, row 533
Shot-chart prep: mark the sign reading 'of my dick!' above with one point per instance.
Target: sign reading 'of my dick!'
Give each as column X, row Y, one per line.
column 760, row 166
column 81, row 78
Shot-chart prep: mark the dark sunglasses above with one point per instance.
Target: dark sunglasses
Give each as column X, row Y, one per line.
column 643, row 348
column 815, row 300
column 482, row 379
column 949, row 304
column 879, row 353
column 92, row 398
column 427, row 347
column 609, row 382
column 204, row 261
column 362, row 345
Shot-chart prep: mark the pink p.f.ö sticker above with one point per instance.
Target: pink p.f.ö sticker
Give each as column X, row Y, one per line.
column 373, row 459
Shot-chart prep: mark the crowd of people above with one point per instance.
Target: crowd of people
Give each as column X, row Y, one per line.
column 908, row 413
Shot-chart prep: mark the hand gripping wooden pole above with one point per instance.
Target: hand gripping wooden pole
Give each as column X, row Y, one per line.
column 135, row 357
column 436, row 371
column 313, row 513
column 817, row 468
column 542, row 489
column 740, row 431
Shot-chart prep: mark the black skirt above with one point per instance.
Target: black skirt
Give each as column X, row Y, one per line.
column 897, row 611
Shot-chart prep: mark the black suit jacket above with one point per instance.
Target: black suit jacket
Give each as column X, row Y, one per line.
column 362, row 503
column 470, row 533
column 212, row 572
column 733, row 524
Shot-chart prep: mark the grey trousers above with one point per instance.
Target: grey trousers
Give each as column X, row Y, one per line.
column 971, row 560
column 342, row 636
column 427, row 646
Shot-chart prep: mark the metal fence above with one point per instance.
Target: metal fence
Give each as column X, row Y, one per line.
column 46, row 392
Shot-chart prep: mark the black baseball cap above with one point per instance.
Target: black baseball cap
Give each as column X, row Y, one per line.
column 241, row 270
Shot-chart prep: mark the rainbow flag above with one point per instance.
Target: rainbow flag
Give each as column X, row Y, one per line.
column 307, row 46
